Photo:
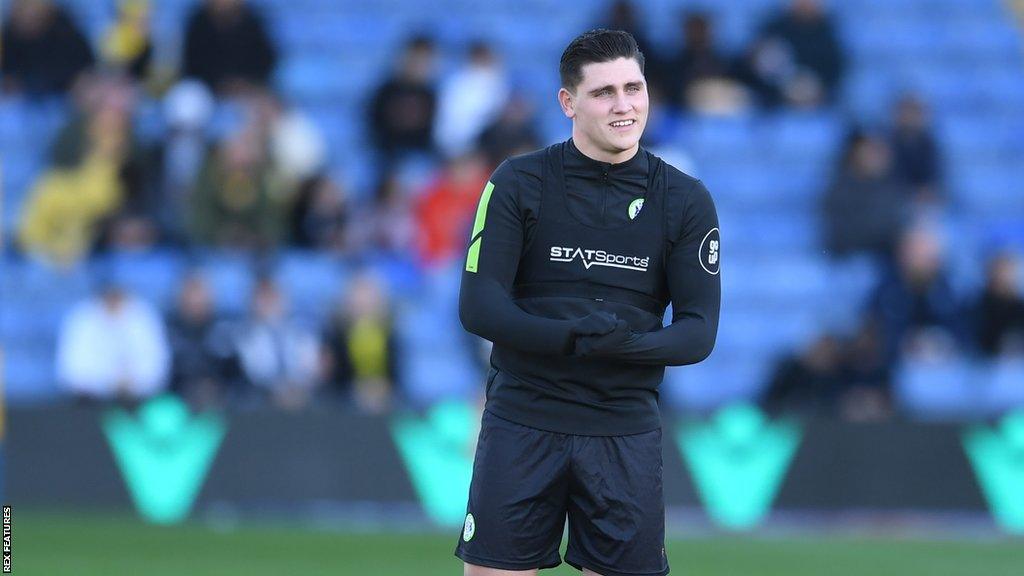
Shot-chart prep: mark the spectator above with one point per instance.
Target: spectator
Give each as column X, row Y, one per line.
column 227, row 47
column 298, row 150
column 999, row 312
column 916, row 160
column 800, row 47
column 622, row 15
column 234, row 204
column 96, row 183
column 113, row 347
column 388, row 224
column 43, row 50
column 404, row 106
column 765, row 69
column 319, row 217
column 64, row 209
column 810, row 382
column 864, row 208
column 444, row 212
column 106, row 104
column 867, row 379
column 362, row 347
column 513, row 132
column 278, row 356
column 204, row 367
column 470, row 100
column 699, row 75
column 127, row 44
column 187, row 108
column 280, row 155
column 914, row 304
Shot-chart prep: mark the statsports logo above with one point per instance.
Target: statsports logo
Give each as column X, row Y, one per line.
column 599, row 258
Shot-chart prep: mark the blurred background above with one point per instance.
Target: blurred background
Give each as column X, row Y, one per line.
column 232, row 235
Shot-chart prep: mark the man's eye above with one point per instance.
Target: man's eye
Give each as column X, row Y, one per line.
column 633, row 89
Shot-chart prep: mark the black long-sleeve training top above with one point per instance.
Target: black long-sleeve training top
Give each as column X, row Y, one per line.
column 559, row 236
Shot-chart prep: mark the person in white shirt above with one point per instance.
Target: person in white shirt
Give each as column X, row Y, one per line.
column 113, row 346
column 280, row 357
column 469, row 100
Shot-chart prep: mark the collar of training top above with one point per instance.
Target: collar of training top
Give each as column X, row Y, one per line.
column 576, row 162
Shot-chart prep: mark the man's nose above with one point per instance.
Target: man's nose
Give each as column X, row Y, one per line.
column 621, row 104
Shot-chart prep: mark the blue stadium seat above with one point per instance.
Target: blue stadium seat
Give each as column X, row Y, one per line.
column 802, row 132
column 1006, row 386
column 989, row 189
column 19, row 174
column 232, row 279
column 149, row 123
column 848, row 286
column 27, row 323
column 718, row 381
column 968, row 136
column 942, row 390
column 718, row 137
column 430, row 378
column 26, row 281
column 314, row 283
column 869, row 94
column 29, row 374
column 15, row 116
column 152, row 275
column 781, row 235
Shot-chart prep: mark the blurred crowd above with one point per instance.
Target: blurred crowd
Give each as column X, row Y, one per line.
column 258, row 180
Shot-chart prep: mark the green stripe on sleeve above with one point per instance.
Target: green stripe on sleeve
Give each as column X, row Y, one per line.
column 474, row 255
column 473, row 258
column 481, row 210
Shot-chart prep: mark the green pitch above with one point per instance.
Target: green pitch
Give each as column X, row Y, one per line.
column 86, row 545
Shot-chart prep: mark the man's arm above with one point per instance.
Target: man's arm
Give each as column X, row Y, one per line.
column 696, row 290
column 486, row 307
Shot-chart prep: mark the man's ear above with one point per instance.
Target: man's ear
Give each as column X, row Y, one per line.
column 567, row 101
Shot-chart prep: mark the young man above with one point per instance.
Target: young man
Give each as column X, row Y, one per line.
column 576, row 251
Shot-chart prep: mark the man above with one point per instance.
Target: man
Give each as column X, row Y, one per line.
column 576, row 252
column 113, row 347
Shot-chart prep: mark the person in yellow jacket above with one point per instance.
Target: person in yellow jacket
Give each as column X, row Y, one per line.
column 62, row 215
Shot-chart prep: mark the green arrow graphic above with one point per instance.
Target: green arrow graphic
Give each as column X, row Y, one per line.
column 163, row 455
column 997, row 456
column 437, row 452
column 738, row 461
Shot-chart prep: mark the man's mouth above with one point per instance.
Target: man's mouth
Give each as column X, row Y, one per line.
column 623, row 123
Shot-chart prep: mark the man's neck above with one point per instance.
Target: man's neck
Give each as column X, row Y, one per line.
column 595, row 153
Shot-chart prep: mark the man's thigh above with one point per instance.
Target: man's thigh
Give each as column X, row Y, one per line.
column 616, row 506
column 474, row 570
column 517, row 498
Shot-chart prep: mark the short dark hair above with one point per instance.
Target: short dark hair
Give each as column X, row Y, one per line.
column 595, row 46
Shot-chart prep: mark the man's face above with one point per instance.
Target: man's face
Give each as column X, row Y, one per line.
column 609, row 109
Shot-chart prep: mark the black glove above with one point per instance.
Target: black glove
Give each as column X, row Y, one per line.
column 595, row 324
column 595, row 345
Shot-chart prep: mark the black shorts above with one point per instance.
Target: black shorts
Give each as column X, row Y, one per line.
column 525, row 482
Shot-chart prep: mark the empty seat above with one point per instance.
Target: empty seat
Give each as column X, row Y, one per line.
column 718, row 381
column 1006, row 386
column 29, row 374
column 232, row 279
column 940, row 390
column 312, row 281
column 153, row 275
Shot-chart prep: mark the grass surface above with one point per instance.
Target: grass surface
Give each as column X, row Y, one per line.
column 86, row 545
